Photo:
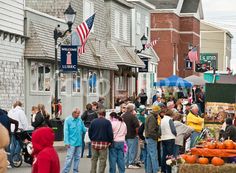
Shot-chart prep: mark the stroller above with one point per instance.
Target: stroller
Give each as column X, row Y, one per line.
column 24, row 139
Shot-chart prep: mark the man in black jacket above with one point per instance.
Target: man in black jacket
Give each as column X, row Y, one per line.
column 88, row 116
column 101, row 136
column 230, row 130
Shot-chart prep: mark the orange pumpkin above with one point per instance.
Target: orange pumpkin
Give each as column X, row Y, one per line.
column 220, row 145
column 229, row 144
column 184, row 156
column 211, row 145
column 234, row 145
column 217, row 161
column 203, row 160
column 191, row 159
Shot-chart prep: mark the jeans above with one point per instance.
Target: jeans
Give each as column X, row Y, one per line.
column 193, row 138
column 176, row 150
column 168, row 150
column 102, row 156
column 131, row 154
column 15, row 147
column 152, row 162
column 83, row 146
column 116, row 155
column 72, row 153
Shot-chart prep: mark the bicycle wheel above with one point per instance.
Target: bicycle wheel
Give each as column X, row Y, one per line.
column 16, row 160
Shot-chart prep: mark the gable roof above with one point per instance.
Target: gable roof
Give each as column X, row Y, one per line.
column 190, row 6
column 41, row 46
column 164, row 4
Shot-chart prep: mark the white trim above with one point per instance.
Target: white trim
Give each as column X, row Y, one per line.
column 44, row 15
column 224, row 57
column 212, row 31
column 216, row 27
column 165, row 11
column 143, row 3
column 175, row 30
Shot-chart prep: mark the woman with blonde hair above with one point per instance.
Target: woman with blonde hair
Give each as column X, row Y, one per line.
column 41, row 118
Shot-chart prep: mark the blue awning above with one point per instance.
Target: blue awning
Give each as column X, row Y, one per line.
column 173, row 81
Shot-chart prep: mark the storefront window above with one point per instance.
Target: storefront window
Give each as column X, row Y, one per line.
column 92, row 80
column 120, row 83
column 40, row 76
column 76, row 81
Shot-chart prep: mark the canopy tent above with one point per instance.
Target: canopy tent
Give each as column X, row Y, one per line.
column 195, row 80
column 174, row 81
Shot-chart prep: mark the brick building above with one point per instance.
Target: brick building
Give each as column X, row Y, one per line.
column 177, row 24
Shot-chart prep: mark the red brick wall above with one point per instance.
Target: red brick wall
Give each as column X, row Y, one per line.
column 168, row 26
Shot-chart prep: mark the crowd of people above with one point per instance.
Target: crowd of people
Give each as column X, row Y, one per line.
column 138, row 134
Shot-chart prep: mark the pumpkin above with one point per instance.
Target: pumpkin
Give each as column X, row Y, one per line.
column 217, row 161
column 220, row 145
column 229, row 144
column 191, row 159
column 203, row 160
column 211, row 145
column 184, row 156
column 234, row 145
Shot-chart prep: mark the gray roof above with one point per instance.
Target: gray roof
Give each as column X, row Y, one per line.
column 41, row 46
column 190, row 6
column 124, row 55
column 164, row 4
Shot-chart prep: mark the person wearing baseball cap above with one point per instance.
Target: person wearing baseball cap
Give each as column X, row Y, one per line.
column 152, row 132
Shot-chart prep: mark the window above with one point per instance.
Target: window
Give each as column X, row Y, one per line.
column 88, row 10
column 138, row 23
column 120, row 83
column 76, row 81
column 125, row 27
column 117, row 24
column 63, row 82
column 92, row 81
column 40, row 76
column 146, row 26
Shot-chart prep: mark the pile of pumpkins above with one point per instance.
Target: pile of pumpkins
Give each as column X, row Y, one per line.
column 191, row 159
column 217, row 161
column 227, row 144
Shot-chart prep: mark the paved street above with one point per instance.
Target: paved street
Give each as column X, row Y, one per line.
column 84, row 166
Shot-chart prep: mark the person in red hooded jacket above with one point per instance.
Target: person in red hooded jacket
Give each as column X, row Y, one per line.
column 46, row 159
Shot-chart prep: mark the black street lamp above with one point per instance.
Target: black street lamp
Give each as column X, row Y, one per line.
column 69, row 18
column 143, row 42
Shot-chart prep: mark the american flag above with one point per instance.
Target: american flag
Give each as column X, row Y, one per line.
column 192, row 54
column 83, row 31
column 151, row 44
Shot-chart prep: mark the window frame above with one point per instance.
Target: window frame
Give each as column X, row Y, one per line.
column 121, row 83
column 94, row 87
column 77, row 89
column 125, row 26
column 138, row 23
column 86, row 13
column 117, row 24
column 46, row 79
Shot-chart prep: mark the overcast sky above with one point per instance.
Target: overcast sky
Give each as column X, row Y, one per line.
column 223, row 13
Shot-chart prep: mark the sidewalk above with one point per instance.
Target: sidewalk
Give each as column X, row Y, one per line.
column 59, row 145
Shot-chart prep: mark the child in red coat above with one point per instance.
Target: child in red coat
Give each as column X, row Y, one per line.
column 46, row 159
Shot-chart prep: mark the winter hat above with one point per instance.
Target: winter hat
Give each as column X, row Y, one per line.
column 156, row 109
column 141, row 108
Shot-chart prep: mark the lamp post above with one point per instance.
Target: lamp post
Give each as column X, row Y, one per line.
column 69, row 18
column 143, row 42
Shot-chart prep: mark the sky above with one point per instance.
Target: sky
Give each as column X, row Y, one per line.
column 223, row 13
